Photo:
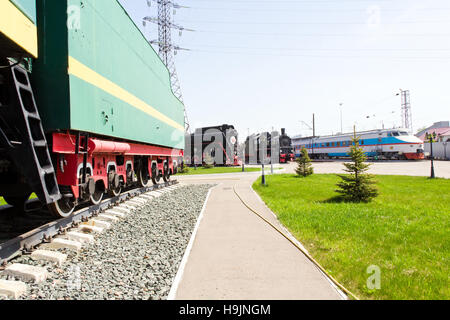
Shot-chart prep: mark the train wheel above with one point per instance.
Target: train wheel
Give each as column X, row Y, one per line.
column 156, row 179
column 17, row 202
column 155, row 175
column 166, row 178
column 167, row 175
column 115, row 185
column 97, row 196
column 143, row 178
column 115, row 192
column 62, row 208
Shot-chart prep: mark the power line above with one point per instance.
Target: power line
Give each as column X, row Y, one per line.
column 326, row 35
column 324, row 50
column 292, row 1
column 446, row 58
column 309, row 10
column 310, row 23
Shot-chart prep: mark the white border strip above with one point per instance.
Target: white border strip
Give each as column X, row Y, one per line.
column 179, row 275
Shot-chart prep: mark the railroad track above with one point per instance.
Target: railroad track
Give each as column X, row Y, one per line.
column 68, row 232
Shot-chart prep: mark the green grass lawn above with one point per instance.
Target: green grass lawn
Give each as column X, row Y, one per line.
column 201, row 170
column 3, row 202
column 405, row 232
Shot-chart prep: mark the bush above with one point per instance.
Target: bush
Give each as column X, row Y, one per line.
column 357, row 186
column 208, row 162
column 304, row 167
column 183, row 170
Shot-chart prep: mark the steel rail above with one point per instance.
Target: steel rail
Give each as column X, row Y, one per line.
column 26, row 242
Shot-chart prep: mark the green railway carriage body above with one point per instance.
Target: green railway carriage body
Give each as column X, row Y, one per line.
column 28, row 7
column 97, row 73
column 18, row 34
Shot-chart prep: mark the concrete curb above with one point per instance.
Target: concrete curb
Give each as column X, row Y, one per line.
column 180, row 272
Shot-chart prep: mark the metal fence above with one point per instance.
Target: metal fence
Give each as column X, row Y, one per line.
column 441, row 150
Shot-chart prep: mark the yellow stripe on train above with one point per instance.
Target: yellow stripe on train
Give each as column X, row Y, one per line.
column 79, row 70
column 17, row 27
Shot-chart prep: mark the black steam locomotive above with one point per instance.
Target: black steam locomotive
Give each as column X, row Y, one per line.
column 218, row 144
column 286, row 149
column 265, row 147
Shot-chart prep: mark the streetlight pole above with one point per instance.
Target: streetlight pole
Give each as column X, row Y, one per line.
column 263, row 175
column 314, row 125
column 243, row 158
column 314, row 134
column 431, row 138
column 340, row 107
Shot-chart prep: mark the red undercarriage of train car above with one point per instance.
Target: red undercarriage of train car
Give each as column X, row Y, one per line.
column 110, row 164
column 286, row 157
column 414, row 156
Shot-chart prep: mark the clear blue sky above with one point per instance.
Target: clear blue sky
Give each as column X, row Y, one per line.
column 264, row 64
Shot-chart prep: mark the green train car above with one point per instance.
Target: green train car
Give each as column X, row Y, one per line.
column 18, row 32
column 86, row 105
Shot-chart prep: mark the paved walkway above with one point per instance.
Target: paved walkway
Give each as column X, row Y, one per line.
column 236, row 255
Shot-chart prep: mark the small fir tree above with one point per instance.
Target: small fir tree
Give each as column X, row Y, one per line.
column 357, row 186
column 304, row 167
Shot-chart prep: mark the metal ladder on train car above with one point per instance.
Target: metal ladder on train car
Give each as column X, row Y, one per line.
column 22, row 136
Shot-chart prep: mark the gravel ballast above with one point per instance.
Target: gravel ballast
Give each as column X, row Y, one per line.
column 137, row 258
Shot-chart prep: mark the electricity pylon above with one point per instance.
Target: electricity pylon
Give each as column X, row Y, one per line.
column 166, row 48
column 406, row 110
